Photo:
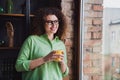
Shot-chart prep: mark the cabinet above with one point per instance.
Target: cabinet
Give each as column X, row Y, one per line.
column 20, row 21
column 14, row 28
column 9, row 54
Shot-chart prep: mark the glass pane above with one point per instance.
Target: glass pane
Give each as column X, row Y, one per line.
column 111, row 39
column 104, row 65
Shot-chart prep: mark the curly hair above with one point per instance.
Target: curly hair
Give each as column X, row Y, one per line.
column 39, row 22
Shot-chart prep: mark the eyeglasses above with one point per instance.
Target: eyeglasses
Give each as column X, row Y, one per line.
column 50, row 22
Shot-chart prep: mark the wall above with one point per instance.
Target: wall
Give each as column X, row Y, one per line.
column 68, row 10
column 93, row 13
column 92, row 58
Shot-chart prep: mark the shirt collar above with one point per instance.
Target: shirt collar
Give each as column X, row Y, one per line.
column 46, row 36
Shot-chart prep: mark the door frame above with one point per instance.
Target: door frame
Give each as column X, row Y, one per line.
column 78, row 41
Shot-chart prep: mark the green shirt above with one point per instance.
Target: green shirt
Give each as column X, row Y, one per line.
column 39, row 46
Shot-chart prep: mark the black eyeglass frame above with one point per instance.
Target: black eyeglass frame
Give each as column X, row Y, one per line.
column 51, row 22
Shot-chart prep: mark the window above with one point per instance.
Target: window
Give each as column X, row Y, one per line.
column 100, row 54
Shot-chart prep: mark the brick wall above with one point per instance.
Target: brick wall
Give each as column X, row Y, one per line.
column 68, row 10
column 93, row 11
column 92, row 60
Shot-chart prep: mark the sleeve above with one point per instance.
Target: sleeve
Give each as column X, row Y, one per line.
column 23, row 62
column 65, row 58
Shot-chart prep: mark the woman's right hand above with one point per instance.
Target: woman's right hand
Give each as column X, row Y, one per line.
column 50, row 57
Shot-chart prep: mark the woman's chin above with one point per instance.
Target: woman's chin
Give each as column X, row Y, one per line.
column 54, row 32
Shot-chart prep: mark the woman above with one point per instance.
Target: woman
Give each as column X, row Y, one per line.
column 37, row 59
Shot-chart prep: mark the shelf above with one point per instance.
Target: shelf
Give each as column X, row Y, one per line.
column 9, row 48
column 15, row 15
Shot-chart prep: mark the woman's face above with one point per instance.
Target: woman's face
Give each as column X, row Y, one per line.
column 51, row 24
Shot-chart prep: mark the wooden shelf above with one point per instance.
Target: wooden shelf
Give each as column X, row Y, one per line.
column 15, row 15
column 9, row 48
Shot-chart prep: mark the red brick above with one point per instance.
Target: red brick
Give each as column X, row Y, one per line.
column 91, row 43
column 87, row 35
column 68, row 42
column 94, row 1
column 94, row 29
column 88, row 50
column 96, row 35
column 97, row 7
column 94, row 56
column 87, row 6
column 97, row 77
column 69, row 34
column 92, row 59
column 93, row 14
column 88, row 20
column 69, row 49
column 87, row 63
column 97, row 22
column 97, row 49
column 97, row 63
column 92, row 70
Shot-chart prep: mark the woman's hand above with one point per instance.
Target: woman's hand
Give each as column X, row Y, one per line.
column 53, row 56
